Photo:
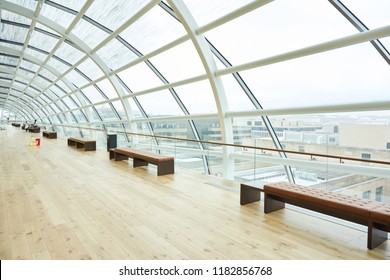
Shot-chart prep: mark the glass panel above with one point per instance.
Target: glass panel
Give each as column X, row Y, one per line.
column 80, row 117
column 15, row 18
column 198, row 97
column 32, row 91
column 106, row 112
column 167, row 146
column 209, row 130
column 69, row 53
column 58, row 16
column 58, row 65
column 42, row 83
column 42, row 28
column 72, row 4
column 42, row 41
column 373, row 13
column 90, row 69
column 22, row 82
column 63, row 86
column 159, row 104
column 26, row 4
column 260, row 34
column 205, row 11
column 50, row 109
column 76, row 79
column 55, row 92
column 333, row 77
column 139, row 77
column 12, row 46
column 45, row 98
column 120, row 110
column 74, row 99
column 115, row 54
column 115, row 14
column 8, row 60
column 179, row 63
column 83, row 98
column 92, row 94
column 136, row 111
column 62, row 118
column 25, row 98
column 89, row 33
column 69, row 102
column 107, row 88
column 6, row 76
column 174, row 128
column 36, row 54
column 235, row 95
column 48, row 74
column 95, row 116
column 152, row 31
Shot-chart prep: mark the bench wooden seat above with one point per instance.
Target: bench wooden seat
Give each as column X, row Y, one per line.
column 375, row 215
column 49, row 134
column 87, row 144
column 165, row 164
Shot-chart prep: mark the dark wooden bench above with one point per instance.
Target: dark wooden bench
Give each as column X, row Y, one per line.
column 34, row 129
column 375, row 215
column 49, row 134
column 87, row 144
column 165, row 164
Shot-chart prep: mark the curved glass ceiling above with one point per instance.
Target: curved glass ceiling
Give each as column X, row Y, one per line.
column 124, row 62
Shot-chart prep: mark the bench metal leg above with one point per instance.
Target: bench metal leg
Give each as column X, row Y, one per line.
column 249, row 194
column 71, row 143
column 139, row 162
column 375, row 236
column 112, row 154
column 165, row 167
column 119, row 157
column 90, row 146
column 271, row 204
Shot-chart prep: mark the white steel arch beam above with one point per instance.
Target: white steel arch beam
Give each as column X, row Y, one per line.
column 47, row 67
column 80, row 44
column 35, row 17
column 346, row 41
column 29, row 34
column 209, row 64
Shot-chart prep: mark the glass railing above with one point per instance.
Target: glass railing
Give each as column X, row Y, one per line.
column 359, row 172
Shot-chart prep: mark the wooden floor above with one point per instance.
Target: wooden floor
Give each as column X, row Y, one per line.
column 57, row 202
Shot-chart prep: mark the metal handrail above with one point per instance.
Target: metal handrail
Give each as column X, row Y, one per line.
column 311, row 155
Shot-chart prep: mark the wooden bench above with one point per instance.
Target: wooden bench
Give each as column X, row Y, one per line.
column 35, row 129
column 375, row 215
column 87, row 144
column 49, row 134
column 165, row 164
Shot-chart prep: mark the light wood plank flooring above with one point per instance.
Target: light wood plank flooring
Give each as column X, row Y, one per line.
column 57, row 202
